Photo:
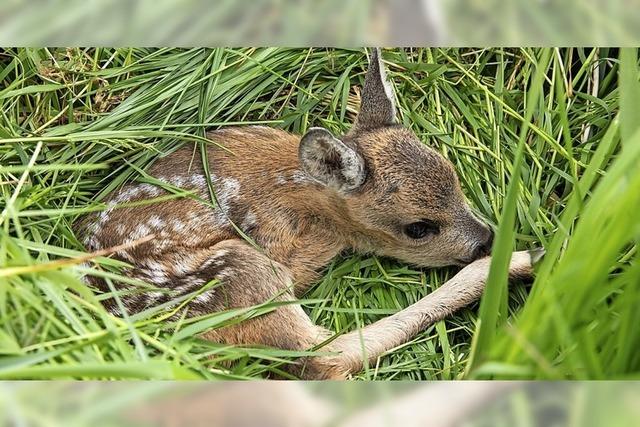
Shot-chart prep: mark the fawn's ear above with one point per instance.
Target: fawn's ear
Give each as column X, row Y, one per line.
column 377, row 105
column 330, row 162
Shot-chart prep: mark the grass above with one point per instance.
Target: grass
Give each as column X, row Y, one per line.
column 543, row 140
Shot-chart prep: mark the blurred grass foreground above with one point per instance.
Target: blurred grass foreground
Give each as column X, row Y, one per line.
column 545, row 142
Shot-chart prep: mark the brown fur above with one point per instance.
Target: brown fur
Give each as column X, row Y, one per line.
column 302, row 201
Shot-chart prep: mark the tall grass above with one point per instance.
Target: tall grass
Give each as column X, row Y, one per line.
column 535, row 136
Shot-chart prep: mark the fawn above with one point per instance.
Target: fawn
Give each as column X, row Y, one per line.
column 302, row 200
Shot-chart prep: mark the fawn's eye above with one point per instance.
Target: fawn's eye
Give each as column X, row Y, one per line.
column 420, row 229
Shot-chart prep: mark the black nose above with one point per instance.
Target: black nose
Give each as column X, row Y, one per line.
column 483, row 249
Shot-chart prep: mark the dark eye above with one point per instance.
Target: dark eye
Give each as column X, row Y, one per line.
column 420, row 229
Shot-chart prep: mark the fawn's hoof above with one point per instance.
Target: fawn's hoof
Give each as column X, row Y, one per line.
column 522, row 262
column 536, row 255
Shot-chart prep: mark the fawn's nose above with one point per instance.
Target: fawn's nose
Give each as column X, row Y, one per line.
column 484, row 248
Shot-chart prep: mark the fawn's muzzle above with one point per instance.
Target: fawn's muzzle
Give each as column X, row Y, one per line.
column 483, row 249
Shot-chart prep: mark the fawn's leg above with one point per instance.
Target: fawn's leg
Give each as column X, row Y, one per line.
column 247, row 278
column 377, row 338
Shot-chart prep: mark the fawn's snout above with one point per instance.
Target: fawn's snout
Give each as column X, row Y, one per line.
column 482, row 246
column 483, row 249
column 472, row 238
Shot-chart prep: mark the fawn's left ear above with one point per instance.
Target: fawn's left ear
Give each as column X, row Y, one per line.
column 330, row 161
column 377, row 106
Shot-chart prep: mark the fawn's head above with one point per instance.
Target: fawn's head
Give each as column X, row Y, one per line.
column 403, row 198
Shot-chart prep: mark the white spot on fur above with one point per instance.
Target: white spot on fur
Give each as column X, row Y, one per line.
column 154, row 265
column 211, row 262
column 156, row 222
column 128, row 195
column 162, row 244
column 249, row 221
column 91, row 242
column 178, row 225
column 205, row 297
column 156, row 271
column 92, row 229
column 121, row 228
column 178, row 181
column 231, row 186
column 154, row 296
column 225, row 273
column 183, row 266
column 149, row 190
column 175, row 180
column 104, row 216
column 186, row 182
column 199, row 181
column 140, row 231
column 219, row 253
column 300, row 177
column 226, row 191
column 157, row 277
column 280, row 179
column 188, row 284
column 194, row 281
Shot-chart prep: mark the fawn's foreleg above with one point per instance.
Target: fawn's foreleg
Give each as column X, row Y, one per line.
column 379, row 337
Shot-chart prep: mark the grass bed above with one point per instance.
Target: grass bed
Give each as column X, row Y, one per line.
column 544, row 141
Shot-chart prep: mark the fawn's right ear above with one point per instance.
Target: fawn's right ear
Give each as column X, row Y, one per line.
column 377, row 105
column 330, row 161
